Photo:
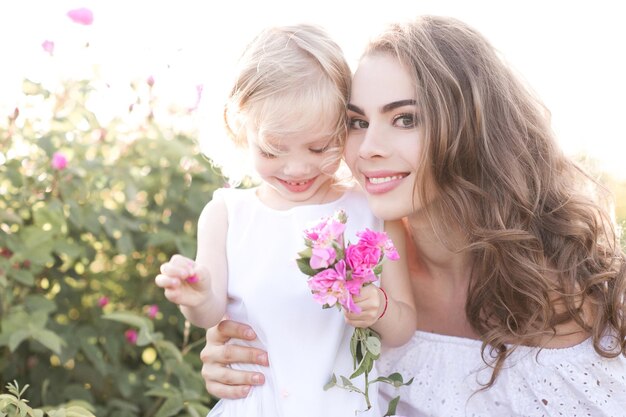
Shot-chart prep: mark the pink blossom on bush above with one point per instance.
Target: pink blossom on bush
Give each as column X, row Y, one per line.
column 82, row 16
column 150, row 81
column 103, row 301
column 59, row 161
column 153, row 310
column 131, row 336
column 48, row 46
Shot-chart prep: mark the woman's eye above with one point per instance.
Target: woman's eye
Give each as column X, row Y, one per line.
column 358, row 124
column 266, row 154
column 406, row 120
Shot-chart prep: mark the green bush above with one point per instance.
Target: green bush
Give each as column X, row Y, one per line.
column 80, row 245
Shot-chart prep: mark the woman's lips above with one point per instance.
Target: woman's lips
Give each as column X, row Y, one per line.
column 382, row 182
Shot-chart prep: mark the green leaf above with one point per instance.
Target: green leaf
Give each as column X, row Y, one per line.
column 346, row 382
column 131, row 319
column 144, row 337
column 49, row 339
column 23, row 276
column 170, row 407
column 331, row 383
column 17, row 338
column 372, row 344
column 393, row 404
column 165, row 347
column 306, row 253
column 94, row 355
column 40, row 303
column 162, row 393
column 305, row 267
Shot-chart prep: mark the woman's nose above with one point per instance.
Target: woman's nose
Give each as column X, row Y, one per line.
column 373, row 144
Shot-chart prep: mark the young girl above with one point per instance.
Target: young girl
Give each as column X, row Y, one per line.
column 287, row 108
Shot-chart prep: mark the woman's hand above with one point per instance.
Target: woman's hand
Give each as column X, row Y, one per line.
column 220, row 380
column 372, row 302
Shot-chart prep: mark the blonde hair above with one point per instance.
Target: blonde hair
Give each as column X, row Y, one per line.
column 291, row 80
column 538, row 238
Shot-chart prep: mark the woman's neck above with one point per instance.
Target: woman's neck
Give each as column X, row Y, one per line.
column 439, row 255
column 440, row 278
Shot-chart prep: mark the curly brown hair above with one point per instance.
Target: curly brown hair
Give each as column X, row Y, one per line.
column 542, row 239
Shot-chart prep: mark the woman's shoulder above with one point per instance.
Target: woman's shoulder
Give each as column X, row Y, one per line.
column 573, row 380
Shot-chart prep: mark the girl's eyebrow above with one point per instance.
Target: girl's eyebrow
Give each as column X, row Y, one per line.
column 386, row 108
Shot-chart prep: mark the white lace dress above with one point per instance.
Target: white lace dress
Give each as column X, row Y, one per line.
column 571, row 382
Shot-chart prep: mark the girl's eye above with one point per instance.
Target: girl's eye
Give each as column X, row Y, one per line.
column 319, row 150
column 405, row 120
column 266, row 154
column 358, row 124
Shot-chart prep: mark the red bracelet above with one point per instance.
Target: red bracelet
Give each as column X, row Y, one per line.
column 386, row 303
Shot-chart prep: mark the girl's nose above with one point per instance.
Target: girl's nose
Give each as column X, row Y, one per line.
column 297, row 168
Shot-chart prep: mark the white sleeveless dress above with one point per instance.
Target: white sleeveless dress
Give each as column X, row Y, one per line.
column 266, row 290
column 448, row 370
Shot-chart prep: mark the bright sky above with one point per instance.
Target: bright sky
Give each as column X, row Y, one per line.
column 571, row 52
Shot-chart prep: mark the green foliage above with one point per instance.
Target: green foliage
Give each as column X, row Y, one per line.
column 92, row 233
column 12, row 404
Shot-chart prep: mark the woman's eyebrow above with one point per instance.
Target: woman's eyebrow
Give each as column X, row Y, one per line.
column 386, row 108
column 356, row 109
column 396, row 104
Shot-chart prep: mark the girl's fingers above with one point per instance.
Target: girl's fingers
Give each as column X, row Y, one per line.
column 166, row 281
column 176, row 270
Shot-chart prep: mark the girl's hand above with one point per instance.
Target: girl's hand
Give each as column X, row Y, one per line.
column 185, row 282
column 372, row 302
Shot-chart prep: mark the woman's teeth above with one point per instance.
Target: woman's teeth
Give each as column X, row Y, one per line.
column 381, row 180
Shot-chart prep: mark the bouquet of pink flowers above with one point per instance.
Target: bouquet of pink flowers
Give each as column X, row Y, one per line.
column 337, row 271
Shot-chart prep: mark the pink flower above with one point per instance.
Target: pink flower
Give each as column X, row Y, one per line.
column 131, row 336
column 81, row 15
column 331, row 286
column 322, row 257
column 103, row 301
column 153, row 311
column 192, row 279
column 328, row 230
column 362, row 259
column 59, row 161
column 48, row 46
column 150, row 81
column 379, row 239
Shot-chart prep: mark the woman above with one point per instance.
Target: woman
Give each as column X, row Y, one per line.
column 518, row 276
